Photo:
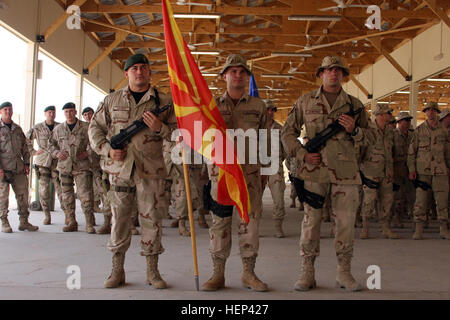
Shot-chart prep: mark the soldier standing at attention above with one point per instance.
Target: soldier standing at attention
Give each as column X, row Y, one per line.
column 69, row 144
column 136, row 171
column 276, row 182
column 404, row 192
column 429, row 162
column 14, row 168
column 46, row 165
column 239, row 110
column 336, row 164
column 377, row 167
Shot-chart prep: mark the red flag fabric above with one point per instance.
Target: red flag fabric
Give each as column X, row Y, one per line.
column 198, row 114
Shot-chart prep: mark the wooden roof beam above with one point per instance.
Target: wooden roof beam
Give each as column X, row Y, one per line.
column 376, row 42
column 62, row 18
column 432, row 4
column 120, row 36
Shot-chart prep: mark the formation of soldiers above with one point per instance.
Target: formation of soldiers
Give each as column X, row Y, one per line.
column 366, row 167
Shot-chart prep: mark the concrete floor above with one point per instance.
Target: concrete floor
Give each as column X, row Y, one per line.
column 33, row 265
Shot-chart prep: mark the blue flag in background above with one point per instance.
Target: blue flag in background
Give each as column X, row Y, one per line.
column 253, row 89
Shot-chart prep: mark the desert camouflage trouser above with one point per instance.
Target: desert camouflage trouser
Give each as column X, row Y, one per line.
column 19, row 183
column 383, row 195
column 197, row 183
column 220, row 231
column 152, row 204
column 440, row 186
column 277, row 186
column 344, row 203
column 178, row 192
column 83, row 181
column 45, row 175
column 404, row 198
column 100, row 194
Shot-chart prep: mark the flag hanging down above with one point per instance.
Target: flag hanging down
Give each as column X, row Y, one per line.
column 194, row 104
column 253, row 88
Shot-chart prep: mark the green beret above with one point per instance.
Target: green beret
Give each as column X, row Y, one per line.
column 69, row 105
column 52, row 108
column 5, row 104
column 87, row 109
column 134, row 59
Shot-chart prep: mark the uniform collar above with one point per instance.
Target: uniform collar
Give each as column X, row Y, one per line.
column 225, row 96
column 13, row 125
column 127, row 93
column 77, row 125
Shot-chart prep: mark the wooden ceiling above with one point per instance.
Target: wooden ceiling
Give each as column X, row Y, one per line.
column 259, row 28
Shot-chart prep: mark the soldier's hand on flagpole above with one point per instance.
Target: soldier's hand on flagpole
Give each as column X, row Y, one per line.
column 152, row 121
column 26, row 169
column 118, row 154
column 347, row 122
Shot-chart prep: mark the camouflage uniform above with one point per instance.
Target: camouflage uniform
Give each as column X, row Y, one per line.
column 178, row 188
column 249, row 113
column 276, row 182
column 339, row 168
column 14, row 156
column 141, row 174
column 429, row 157
column 404, row 197
column 377, row 165
column 75, row 170
column 46, row 165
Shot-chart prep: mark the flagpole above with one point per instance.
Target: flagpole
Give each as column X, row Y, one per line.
column 191, row 217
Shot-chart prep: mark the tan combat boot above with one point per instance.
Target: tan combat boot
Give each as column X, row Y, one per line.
column 90, row 223
column 217, row 281
column 249, row 278
column 182, row 228
column 306, row 280
column 344, row 278
column 117, row 276
column 418, row 234
column 278, row 228
column 106, row 227
column 25, row 225
column 72, row 225
column 443, row 230
column 6, row 228
column 201, row 219
column 48, row 218
column 153, row 277
column 365, row 229
column 387, row 232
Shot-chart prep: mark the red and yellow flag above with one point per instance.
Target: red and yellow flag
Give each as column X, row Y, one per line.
column 194, row 103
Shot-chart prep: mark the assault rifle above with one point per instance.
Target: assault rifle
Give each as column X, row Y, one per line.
column 120, row 140
column 313, row 146
column 320, row 140
column 369, row 182
column 420, row 184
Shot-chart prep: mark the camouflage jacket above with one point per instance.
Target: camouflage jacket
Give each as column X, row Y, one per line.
column 429, row 151
column 73, row 143
column 14, row 154
column 376, row 159
column 42, row 134
column 282, row 153
column 401, row 144
column 340, row 156
column 145, row 151
column 249, row 113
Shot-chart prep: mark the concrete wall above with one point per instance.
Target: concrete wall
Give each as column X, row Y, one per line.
column 71, row 47
column 416, row 57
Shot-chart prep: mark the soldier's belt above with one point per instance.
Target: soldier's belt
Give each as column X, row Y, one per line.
column 369, row 182
column 123, row 189
column 313, row 199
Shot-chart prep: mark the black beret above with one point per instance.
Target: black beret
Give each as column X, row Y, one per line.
column 69, row 105
column 134, row 59
column 50, row 108
column 87, row 109
column 5, row 104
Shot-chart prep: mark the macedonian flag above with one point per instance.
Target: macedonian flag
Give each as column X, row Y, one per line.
column 199, row 119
